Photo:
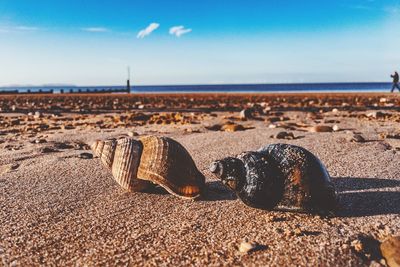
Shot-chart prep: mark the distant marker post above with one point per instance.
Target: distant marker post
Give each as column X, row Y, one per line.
column 128, row 82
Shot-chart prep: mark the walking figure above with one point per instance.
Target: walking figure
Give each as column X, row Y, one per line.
column 395, row 77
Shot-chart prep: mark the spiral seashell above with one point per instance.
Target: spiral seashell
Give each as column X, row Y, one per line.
column 279, row 176
column 137, row 164
column 168, row 164
column 122, row 157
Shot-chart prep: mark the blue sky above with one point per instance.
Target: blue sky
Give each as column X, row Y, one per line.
column 92, row 42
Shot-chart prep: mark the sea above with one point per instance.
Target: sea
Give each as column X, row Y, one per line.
column 212, row 88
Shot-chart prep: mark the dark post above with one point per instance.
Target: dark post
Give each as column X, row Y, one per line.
column 128, row 86
column 128, row 82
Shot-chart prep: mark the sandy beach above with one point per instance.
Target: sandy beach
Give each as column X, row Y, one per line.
column 60, row 207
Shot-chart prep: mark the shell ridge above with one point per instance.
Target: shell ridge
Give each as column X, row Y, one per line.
column 125, row 164
column 108, row 151
column 125, row 167
column 99, row 148
column 117, row 164
column 131, row 168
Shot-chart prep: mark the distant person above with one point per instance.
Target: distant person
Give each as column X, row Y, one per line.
column 395, row 77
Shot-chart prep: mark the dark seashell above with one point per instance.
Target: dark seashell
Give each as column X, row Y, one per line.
column 279, row 176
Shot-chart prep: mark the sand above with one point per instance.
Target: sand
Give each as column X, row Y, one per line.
column 57, row 209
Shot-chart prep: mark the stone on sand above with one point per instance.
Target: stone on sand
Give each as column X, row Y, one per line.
column 321, row 129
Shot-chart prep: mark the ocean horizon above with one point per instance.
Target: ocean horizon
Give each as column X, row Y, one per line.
column 210, row 88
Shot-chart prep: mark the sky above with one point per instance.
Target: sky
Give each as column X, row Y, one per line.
column 91, row 42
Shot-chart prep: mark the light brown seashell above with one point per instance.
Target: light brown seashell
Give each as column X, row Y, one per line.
column 168, row 164
column 122, row 157
column 137, row 164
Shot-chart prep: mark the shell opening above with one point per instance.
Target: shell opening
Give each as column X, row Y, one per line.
column 214, row 167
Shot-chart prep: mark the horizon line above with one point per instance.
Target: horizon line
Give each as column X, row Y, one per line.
column 188, row 84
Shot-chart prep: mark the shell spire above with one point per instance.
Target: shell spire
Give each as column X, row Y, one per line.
column 122, row 157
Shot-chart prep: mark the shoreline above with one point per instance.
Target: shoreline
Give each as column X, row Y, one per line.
column 290, row 93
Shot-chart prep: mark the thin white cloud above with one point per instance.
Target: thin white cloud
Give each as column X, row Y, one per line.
column 178, row 31
column 15, row 29
column 95, row 29
column 145, row 32
column 26, row 28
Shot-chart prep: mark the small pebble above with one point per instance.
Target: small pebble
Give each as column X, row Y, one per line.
column 247, row 247
column 284, row 135
column 232, row 127
column 335, row 128
column 321, row 129
column 86, row 155
column 48, row 150
column 81, row 146
column 132, row 134
column 37, row 115
column 358, row 138
column 246, row 113
column 8, row 168
column 63, row 145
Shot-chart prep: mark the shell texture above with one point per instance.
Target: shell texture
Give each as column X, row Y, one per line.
column 122, row 157
column 279, row 176
column 108, row 151
column 168, row 164
column 138, row 164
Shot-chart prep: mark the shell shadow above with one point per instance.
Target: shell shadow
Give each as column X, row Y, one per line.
column 216, row 191
column 155, row 190
column 365, row 196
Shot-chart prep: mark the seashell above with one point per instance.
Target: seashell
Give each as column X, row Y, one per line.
column 278, row 176
column 137, row 164
column 168, row 164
